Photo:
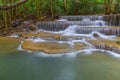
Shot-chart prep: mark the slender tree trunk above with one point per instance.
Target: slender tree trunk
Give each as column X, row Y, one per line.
column 113, row 4
column 76, row 6
column 38, row 8
column 65, row 6
column 51, row 8
column 5, row 16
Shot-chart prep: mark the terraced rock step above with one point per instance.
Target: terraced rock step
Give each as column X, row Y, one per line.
column 39, row 34
column 81, row 18
column 111, row 45
column 74, row 33
column 59, row 26
column 51, row 47
column 103, row 30
column 49, row 36
column 53, row 26
column 112, row 20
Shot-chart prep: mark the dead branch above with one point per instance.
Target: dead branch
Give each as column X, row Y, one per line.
column 10, row 6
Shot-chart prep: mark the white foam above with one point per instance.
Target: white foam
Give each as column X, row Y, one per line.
column 14, row 36
column 101, row 35
column 21, row 49
column 37, row 40
column 44, row 55
column 62, row 20
column 70, row 31
column 117, row 55
column 86, row 19
column 70, row 54
column 74, row 53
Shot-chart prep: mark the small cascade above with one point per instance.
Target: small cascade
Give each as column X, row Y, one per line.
column 52, row 26
column 112, row 20
column 85, row 20
column 103, row 30
column 75, row 32
column 82, row 18
column 84, row 24
column 66, row 21
column 87, row 23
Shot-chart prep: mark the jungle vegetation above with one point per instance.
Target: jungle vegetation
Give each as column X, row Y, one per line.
column 17, row 9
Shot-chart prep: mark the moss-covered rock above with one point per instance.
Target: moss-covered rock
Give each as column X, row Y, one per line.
column 51, row 47
column 38, row 34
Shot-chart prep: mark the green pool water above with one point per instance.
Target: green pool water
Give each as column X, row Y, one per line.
column 27, row 66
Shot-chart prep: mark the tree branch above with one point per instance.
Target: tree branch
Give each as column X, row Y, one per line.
column 10, row 6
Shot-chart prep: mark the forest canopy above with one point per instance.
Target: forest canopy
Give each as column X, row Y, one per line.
column 12, row 9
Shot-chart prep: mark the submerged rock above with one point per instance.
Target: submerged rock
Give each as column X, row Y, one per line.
column 8, row 45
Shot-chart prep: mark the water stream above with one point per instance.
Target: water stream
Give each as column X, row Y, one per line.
column 26, row 66
column 86, row 64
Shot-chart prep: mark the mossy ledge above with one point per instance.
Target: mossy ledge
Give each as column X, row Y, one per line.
column 52, row 47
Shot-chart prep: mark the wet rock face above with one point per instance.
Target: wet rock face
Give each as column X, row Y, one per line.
column 103, row 30
column 106, row 45
column 52, row 26
column 112, row 20
column 95, row 35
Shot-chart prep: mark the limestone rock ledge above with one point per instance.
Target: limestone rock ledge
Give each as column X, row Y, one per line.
column 111, row 45
column 52, row 47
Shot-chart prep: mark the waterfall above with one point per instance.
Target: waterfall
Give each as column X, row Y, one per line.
column 72, row 29
column 66, row 21
column 112, row 20
column 82, row 18
column 85, row 24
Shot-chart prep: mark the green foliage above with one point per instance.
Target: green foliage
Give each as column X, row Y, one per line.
column 58, row 7
column 78, row 7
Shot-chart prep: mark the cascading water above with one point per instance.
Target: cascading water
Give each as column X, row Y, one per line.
column 79, row 29
column 88, row 47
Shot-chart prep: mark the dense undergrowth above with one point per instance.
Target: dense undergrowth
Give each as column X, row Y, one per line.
column 51, row 8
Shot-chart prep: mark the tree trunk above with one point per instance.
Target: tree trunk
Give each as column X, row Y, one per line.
column 65, row 6
column 51, row 8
